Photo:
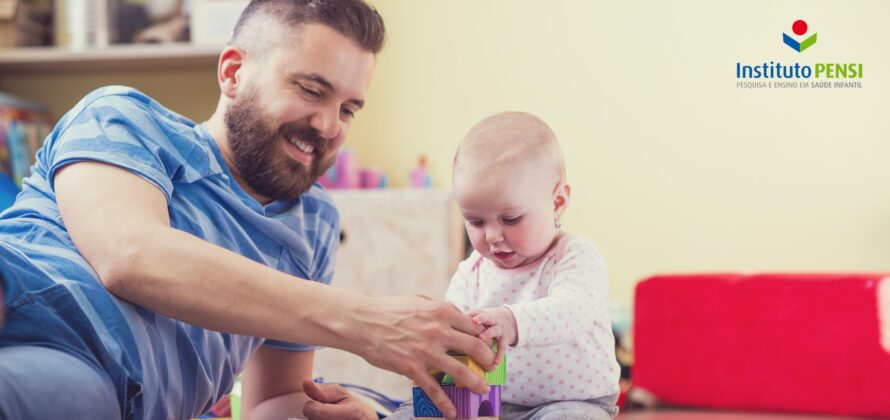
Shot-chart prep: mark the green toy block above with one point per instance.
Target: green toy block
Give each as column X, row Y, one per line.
column 499, row 375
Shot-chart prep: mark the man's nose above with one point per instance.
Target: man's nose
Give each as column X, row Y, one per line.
column 327, row 122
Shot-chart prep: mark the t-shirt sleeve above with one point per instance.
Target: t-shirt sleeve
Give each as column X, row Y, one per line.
column 460, row 290
column 322, row 269
column 577, row 298
column 329, row 244
column 119, row 130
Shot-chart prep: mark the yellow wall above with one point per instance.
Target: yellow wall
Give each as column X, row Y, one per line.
column 673, row 168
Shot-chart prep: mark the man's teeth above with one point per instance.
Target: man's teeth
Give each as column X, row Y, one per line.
column 302, row 145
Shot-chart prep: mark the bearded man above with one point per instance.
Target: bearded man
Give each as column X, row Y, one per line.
column 150, row 260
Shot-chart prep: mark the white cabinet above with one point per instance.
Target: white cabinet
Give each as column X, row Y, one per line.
column 396, row 242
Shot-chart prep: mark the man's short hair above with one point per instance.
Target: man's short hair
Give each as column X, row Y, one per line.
column 354, row 19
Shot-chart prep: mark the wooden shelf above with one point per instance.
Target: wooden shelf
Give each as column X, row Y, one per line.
column 115, row 57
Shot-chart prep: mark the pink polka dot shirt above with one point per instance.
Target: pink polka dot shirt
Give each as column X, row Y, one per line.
column 565, row 349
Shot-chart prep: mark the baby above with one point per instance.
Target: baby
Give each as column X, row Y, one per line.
column 541, row 293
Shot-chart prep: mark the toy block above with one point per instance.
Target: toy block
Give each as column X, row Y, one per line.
column 495, row 377
column 423, row 405
column 469, row 404
column 446, row 379
column 499, row 375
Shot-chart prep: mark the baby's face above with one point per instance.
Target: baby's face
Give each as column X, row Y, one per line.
column 509, row 215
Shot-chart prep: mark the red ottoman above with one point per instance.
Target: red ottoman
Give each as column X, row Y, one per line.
column 808, row 343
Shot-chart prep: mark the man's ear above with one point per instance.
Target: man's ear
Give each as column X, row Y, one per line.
column 561, row 198
column 228, row 70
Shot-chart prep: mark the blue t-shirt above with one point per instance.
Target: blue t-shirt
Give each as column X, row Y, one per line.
column 162, row 368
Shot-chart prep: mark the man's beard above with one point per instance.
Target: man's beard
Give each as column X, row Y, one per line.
column 259, row 159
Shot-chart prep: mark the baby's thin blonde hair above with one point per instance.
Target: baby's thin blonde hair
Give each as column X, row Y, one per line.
column 506, row 139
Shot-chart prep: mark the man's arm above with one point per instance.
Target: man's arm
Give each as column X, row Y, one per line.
column 277, row 384
column 272, row 384
column 119, row 223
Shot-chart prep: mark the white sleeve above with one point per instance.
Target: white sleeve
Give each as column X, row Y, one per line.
column 577, row 297
column 460, row 289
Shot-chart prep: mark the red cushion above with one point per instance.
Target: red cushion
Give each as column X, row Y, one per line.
column 778, row 342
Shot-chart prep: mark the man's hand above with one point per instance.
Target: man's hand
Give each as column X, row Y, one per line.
column 332, row 401
column 500, row 326
column 411, row 335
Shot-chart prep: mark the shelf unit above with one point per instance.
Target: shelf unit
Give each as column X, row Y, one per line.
column 115, row 57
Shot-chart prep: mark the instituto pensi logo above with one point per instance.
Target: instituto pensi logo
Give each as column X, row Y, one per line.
column 774, row 72
column 799, row 27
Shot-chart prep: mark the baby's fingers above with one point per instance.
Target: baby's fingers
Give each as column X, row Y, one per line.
column 485, row 319
column 491, row 334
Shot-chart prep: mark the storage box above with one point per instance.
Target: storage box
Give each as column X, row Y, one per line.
column 806, row 343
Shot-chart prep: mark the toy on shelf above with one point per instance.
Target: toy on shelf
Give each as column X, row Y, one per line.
column 343, row 173
column 346, row 173
column 420, row 176
column 469, row 405
column 371, row 178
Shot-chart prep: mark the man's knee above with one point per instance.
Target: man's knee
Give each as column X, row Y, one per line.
column 31, row 376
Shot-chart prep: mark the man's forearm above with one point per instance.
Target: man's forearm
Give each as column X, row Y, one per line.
column 183, row 277
column 279, row 407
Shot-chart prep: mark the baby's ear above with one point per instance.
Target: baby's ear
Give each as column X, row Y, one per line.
column 561, row 198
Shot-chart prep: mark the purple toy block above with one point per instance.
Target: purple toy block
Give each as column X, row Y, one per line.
column 471, row 405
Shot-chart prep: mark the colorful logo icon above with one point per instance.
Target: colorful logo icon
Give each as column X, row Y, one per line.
column 799, row 28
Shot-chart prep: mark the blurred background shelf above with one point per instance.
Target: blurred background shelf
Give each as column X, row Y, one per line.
column 115, row 57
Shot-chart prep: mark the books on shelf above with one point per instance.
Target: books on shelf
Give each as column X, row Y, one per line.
column 23, row 127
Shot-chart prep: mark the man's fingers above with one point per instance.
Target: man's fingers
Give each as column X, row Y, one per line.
column 463, row 375
column 472, row 346
column 326, row 393
column 477, row 349
column 461, row 322
column 502, row 347
column 433, row 390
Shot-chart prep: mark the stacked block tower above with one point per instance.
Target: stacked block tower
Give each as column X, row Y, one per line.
column 469, row 405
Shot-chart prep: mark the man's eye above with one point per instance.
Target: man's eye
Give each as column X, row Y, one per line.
column 348, row 113
column 511, row 220
column 311, row 93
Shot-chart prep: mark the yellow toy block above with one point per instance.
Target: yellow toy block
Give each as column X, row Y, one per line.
column 446, row 379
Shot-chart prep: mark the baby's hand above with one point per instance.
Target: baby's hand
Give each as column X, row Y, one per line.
column 500, row 326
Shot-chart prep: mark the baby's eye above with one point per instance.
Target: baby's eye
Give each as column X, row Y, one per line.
column 475, row 223
column 511, row 220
